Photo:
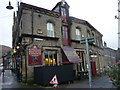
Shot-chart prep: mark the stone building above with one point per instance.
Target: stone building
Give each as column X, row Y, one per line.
column 55, row 37
column 110, row 56
column 3, row 51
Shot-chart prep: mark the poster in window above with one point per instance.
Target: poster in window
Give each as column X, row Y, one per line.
column 34, row 56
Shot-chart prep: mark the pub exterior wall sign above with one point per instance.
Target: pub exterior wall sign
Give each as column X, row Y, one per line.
column 34, row 56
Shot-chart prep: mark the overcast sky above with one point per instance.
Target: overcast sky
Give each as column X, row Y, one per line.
column 99, row 13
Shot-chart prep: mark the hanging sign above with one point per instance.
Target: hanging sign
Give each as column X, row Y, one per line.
column 54, row 80
column 34, row 56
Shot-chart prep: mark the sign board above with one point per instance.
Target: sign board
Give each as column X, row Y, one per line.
column 90, row 40
column 34, row 56
column 54, row 80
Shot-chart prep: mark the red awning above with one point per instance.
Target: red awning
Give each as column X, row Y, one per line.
column 69, row 55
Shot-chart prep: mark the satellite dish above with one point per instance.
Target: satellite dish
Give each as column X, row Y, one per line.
column 9, row 6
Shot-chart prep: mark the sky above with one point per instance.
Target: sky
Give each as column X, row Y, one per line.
column 99, row 13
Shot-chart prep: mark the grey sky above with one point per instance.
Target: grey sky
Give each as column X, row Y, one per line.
column 99, row 13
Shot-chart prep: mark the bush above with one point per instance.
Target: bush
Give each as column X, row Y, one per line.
column 114, row 74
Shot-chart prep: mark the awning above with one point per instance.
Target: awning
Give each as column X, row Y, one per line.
column 69, row 55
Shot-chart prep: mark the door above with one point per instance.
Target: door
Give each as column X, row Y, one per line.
column 93, row 68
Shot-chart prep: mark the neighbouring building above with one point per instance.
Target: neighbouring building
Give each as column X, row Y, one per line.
column 48, row 38
column 110, row 56
column 3, row 51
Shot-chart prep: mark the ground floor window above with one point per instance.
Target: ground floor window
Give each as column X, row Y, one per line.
column 82, row 66
column 50, row 57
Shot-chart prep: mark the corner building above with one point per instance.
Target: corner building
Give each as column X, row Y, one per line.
column 55, row 36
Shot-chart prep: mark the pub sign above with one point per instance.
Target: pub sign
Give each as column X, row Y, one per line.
column 34, row 56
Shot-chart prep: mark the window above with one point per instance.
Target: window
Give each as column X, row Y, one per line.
column 83, row 66
column 63, row 12
column 50, row 29
column 93, row 34
column 50, row 57
column 65, row 32
column 65, row 35
column 88, row 34
column 78, row 34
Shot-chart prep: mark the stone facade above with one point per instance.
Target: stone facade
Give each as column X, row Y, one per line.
column 110, row 57
column 30, row 28
column 3, row 51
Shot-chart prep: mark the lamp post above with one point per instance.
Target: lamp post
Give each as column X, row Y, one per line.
column 9, row 6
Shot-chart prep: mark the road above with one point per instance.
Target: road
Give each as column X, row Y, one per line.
column 98, row 82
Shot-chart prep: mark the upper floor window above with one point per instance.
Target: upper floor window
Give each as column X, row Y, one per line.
column 64, row 15
column 50, row 29
column 93, row 34
column 63, row 12
column 78, row 34
column 88, row 34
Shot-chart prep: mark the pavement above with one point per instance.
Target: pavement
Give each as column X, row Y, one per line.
column 97, row 82
column 10, row 81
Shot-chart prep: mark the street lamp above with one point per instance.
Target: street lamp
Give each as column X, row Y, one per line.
column 9, row 6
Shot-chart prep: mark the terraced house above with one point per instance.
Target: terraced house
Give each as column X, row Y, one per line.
column 51, row 38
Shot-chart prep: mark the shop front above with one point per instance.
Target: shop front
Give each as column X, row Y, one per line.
column 57, row 61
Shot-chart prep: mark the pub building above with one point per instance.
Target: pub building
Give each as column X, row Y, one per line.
column 49, row 43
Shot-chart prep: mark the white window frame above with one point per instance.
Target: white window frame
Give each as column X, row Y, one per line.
column 50, row 29
column 78, row 34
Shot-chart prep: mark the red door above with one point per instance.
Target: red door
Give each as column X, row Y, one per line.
column 93, row 68
column 65, row 36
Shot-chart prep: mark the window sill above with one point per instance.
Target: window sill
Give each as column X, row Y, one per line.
column 78, row 41
column 41, row 37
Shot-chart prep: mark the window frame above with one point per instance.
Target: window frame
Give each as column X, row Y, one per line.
column 78, row 34
column 49, row 55
column 50, row 29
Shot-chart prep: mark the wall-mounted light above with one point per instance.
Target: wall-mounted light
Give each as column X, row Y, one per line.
column 93, row 56
column 18, row 47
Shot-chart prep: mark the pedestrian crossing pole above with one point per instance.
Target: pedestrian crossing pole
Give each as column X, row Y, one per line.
column 86, row 41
